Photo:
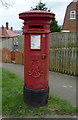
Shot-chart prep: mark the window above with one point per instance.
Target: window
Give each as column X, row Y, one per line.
column 72, row 14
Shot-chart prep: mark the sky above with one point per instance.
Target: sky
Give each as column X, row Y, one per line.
column 11, row 15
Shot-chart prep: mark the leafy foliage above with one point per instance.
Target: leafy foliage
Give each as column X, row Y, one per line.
column 54, row 26
column 40, row 6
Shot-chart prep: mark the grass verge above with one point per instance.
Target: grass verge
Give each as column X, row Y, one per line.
column 0, row 91
column 13, row 105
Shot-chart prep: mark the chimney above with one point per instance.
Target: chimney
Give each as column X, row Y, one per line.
column 7, row 25
column 12, row 28
column 2, row 30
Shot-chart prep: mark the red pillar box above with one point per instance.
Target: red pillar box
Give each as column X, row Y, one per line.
column 36, row 56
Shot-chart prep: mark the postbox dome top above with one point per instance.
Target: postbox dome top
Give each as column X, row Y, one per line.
column 36, row 13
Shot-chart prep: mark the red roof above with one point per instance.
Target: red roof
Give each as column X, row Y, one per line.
column 7, row 33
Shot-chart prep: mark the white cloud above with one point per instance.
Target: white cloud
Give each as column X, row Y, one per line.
column 57, row 1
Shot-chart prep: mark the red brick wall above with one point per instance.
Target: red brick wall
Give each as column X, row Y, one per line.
column 71, row 24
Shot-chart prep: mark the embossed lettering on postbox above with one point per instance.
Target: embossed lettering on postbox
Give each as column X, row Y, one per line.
column 34, row 67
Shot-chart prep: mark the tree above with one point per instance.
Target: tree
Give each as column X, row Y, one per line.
column 54, row 26
column 40, row 6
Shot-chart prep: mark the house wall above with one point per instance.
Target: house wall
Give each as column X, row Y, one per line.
column 7, row 43
column 77, row 17
column 71, row 24
column 0, row 43
column 64, row 52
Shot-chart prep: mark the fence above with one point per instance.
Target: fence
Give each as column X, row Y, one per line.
column 19, row 57
column 64, row 60
column 63, row 39
column 64, row 53
column 6, row 55
column 0, row 54
column 9, row 56
column 59, row 39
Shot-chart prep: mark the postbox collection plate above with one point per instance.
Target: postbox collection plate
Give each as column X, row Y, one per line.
column 35, row 42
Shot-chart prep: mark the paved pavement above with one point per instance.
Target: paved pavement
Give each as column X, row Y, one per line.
column 61, row 85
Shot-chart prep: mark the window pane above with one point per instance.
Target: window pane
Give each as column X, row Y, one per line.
column 72, row 14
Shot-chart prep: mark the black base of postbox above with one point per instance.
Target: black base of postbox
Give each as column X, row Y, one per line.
column 36, row 98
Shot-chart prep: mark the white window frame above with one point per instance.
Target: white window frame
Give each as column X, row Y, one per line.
column 73, row 14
